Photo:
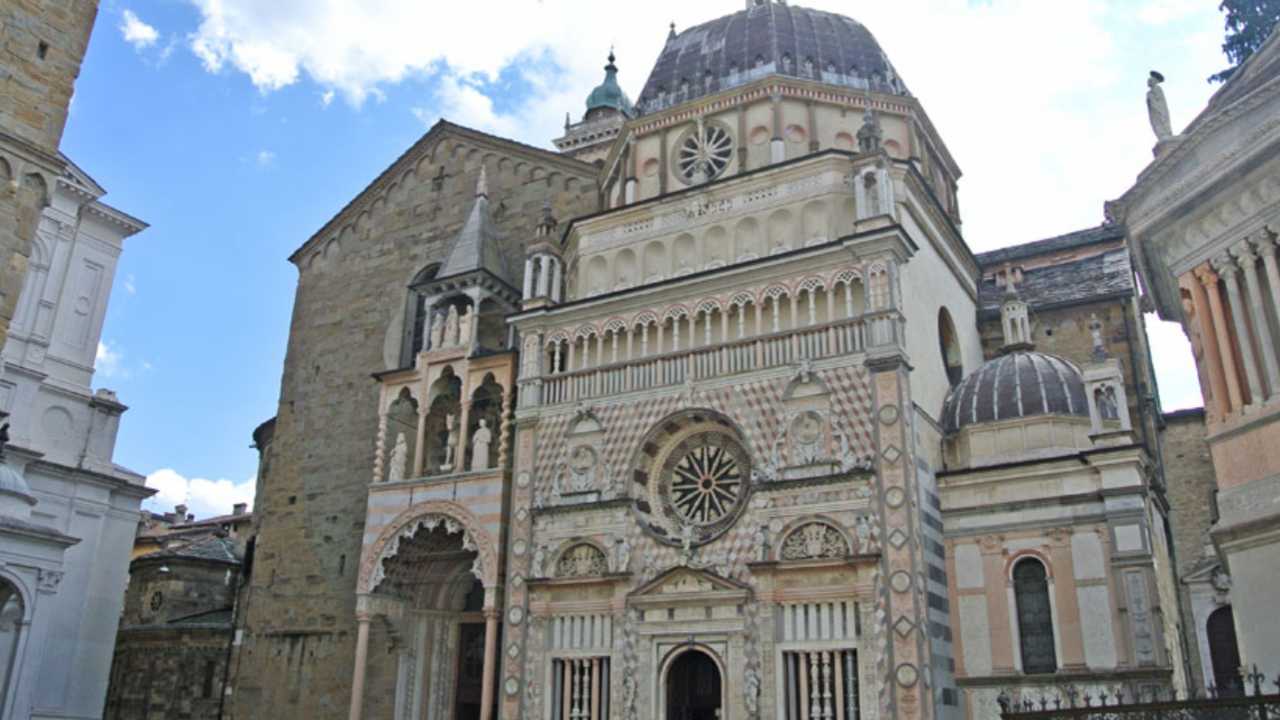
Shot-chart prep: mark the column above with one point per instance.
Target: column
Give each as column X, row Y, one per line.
column 724, row 324
column 357, row 674
column 1209, row 280
column 777, row 149
column 742, row 322
column 528, row 277
column 555, row 358
column 542, row 275
column 568, row 363
column 464, row 432
column 556, row 285
column 675, row 333
column 848, row 299
column 1248, row 262
column 776, row 313
column 1267, row 249
column 1208, row 343
column 490, row 662
column 813, row 311
column 1228, row 270
column 813, row 126
column 614, row 337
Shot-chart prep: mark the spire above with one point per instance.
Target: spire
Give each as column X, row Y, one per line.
column 1014, row 321
column 477, row 245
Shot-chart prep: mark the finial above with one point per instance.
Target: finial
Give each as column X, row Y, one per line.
column 611, row 57
column 672, row 35
column 482, row 185
column 566, row 121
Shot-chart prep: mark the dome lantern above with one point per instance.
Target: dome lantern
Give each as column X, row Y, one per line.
column 608, row 95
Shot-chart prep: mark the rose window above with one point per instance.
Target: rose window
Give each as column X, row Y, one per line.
column 706, row 484
column 704, row 152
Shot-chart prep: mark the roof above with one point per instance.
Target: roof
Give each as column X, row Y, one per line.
column 477, row 246
column 1016, row 385
column 1106, row 274
column 215, row 520
column 1070, row 241
column 609, row 94
column 768, row 38
column 208, row 548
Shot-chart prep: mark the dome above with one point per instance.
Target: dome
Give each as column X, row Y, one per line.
column 1016, row 385
column 770, row 37
column 608, row 94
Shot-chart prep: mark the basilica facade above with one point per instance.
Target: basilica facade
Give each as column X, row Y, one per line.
column 710, row 414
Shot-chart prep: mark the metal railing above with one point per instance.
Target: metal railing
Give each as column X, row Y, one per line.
column 1247, row 702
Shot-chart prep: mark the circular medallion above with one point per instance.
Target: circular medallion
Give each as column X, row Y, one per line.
column 520, row 547
column 522, row 479
column 900, row 581
column 517, row 581
column 512, row 686
column 513, row 650
column 889, row 414
column 895, row 496
column 907, row 675
column 808, row 428
column 522, row 514
column 516, row 616
column 582, row 459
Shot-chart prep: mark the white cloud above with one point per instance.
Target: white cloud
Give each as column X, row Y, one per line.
column 109, row 361
column 265, row 158
column 204, row 498
column 1041, row 104
column 130, row 284
column 326, row 98
column 136, row 32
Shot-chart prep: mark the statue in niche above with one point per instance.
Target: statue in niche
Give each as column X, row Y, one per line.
column 399, row 456
column 1158, row 107
column 760, row 540
column 464, row 327
column 622, row 555
column 450, row 443
column 451, row 328
column 872, row 187
column 862, row 529
column 539, row 562
column 1106, row 401
column 1095, row 332
column 751, row 692
column 480, row 447
column 870, row 134
column 437, row 330
column 686, row 545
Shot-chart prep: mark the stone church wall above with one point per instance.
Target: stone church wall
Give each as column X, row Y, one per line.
column 297, row 650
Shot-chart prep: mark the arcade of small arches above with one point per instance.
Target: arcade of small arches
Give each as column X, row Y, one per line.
column 778, row 307
column 445, row 435
column 715, row 247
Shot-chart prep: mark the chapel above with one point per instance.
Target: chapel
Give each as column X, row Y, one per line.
column 709, row 413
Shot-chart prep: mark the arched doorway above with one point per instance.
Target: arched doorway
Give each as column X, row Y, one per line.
column 1223, row 651
column 693, row 687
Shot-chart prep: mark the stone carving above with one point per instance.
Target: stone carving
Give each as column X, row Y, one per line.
column 582, row 561
column 451, row 327
column 450, row 444
column 814, row 541
column 621, row 555
column 1095, row 332
column 1158, row 107
column 760, row 541
column 582, row 469
column 48, row 580
column 806, row 431
column 480, row 443
column 399, row 456
column 686, row 545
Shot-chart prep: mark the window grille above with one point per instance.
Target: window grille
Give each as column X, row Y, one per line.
column 1035, row 618
column 820, row 685
column 580, row 688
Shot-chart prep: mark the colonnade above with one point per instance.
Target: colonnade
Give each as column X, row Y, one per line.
column 1234, row 301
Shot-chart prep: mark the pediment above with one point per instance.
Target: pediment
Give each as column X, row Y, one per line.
column 682, row 582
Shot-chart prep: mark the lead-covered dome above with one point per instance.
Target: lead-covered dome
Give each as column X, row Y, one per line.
column 770, row 37
column 608, row 95
column 1017, row 385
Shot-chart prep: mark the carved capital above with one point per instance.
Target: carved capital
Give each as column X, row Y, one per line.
column 1207, row 277
column 1225, row 265
column 1244, row 255
column 1264, row 243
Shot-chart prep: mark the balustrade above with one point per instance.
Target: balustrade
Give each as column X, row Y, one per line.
column 814, row 342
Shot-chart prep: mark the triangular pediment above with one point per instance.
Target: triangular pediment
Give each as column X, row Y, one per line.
column 447, row 144
column 684, row 581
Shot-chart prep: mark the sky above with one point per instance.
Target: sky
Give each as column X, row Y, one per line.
column 236, row 128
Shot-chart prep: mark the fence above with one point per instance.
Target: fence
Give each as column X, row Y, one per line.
column 1250, row 702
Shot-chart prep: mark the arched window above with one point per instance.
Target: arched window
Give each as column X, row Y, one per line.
column 1223, row 651
column 1035, row 618
column 949, row 346
column 416, row 314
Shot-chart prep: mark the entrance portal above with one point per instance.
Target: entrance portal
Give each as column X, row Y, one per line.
column 693, row 688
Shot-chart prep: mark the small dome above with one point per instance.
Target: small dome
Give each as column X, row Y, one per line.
column 608, row 95
column 1016, row 385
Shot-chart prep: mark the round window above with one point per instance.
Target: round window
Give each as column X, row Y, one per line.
column 703, row 152
column 705, row 483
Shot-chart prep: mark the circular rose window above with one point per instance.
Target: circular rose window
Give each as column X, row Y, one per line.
column 704, row 152
column 706, row 484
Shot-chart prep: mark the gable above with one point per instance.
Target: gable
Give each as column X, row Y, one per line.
column 440, row 154
column 682, row 582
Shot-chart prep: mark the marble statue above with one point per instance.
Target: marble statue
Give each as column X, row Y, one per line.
column 1158, row 107
column 399, row 456
column 450, row 443
column 686, row 545
column 451, row 328
column 1095, row 332
column 760, row 539
column 464, row 327
column 480, row 446
column 539, row 561
column 437, row 330
column 622, row 555
column 751, row 692
column 870, row 134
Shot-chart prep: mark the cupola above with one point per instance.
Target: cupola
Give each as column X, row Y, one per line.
column 608, row 96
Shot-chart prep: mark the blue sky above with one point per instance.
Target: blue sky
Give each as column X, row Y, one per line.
column 238, row 127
